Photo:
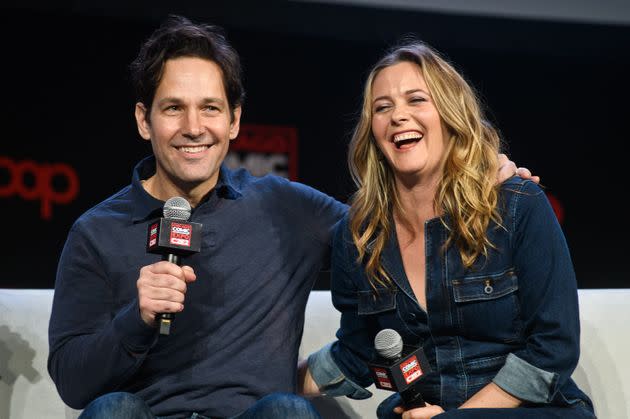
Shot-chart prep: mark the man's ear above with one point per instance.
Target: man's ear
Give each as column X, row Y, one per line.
column 142, row 121
column 235, row 125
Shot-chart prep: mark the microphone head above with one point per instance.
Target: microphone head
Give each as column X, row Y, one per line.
column 177, row 208
column 388, row 344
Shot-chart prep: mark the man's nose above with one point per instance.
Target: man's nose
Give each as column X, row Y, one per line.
column 192, row 127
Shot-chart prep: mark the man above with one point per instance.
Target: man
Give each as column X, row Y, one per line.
column 233, row 347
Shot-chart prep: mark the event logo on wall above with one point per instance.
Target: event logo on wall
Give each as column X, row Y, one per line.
column 264, row 149
column 55, row 183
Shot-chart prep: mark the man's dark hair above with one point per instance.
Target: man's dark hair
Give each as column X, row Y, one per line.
column 179, row 37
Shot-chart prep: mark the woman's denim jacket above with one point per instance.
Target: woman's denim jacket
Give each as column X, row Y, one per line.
column 511, row 319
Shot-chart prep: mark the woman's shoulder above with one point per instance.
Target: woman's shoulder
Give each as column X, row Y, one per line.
column 521, row 197
column 519, row 191
column 517, row 184
column 342, row 235
column 344, row 249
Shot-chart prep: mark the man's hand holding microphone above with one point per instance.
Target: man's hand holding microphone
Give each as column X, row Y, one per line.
column 162, row 289
column 162, row 286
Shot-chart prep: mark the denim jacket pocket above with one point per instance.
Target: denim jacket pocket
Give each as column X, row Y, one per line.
column 487, row 287
column 487, row 306
column 371, row 302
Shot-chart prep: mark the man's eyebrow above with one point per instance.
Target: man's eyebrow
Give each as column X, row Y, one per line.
column 213, row 100
column 176, row 100
column 169, row 100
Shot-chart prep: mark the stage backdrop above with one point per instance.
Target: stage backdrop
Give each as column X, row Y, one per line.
column 557, row 91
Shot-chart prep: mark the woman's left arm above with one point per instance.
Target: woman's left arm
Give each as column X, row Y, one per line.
column 492, row 396
column 548, row 302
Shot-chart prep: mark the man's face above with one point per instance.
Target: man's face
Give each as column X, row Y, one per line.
column 190, row 125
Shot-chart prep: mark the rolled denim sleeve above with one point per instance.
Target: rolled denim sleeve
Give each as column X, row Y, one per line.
column 329, row 378
column 522, row 379
column 548, row 301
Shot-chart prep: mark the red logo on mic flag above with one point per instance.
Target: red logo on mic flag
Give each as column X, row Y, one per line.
column 153, row 235
column 383, row 379
column 180, row 234
column 411, row 369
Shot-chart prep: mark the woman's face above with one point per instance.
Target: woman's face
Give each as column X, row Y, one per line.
column 406, row 124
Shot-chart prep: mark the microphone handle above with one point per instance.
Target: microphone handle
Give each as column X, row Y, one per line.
column 169, row 257
column 165, row 319
column 412, row 398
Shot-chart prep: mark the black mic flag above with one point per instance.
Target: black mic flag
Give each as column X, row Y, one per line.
column 399, row 367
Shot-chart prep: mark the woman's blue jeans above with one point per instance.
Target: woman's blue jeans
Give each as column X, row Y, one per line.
column 578, row 411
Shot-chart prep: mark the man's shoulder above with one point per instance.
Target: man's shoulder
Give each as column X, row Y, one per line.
column 116, row 206
column 281, row 196
column 247, row 183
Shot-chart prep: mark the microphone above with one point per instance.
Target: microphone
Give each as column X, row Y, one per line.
column 399, row 367
column 173, row 237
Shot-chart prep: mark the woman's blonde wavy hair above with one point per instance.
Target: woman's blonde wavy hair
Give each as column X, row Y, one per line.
column 466, row 194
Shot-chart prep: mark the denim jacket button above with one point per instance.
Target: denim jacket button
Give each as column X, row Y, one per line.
column 488, row 288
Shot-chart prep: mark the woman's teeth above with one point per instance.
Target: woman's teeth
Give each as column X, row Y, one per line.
column 406, row 138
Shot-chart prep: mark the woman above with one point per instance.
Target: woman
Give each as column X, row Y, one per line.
column 476, row 273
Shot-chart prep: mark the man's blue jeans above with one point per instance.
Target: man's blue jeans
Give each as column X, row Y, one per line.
column 129, row 406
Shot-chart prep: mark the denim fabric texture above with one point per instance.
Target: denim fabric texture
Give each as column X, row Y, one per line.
column 126, row 405
column 280, row 405
column 511, row 318
column 117, row 405
column 576, row 411
column 334, row 383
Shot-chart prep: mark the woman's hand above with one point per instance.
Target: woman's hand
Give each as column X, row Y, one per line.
column 426, row 412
